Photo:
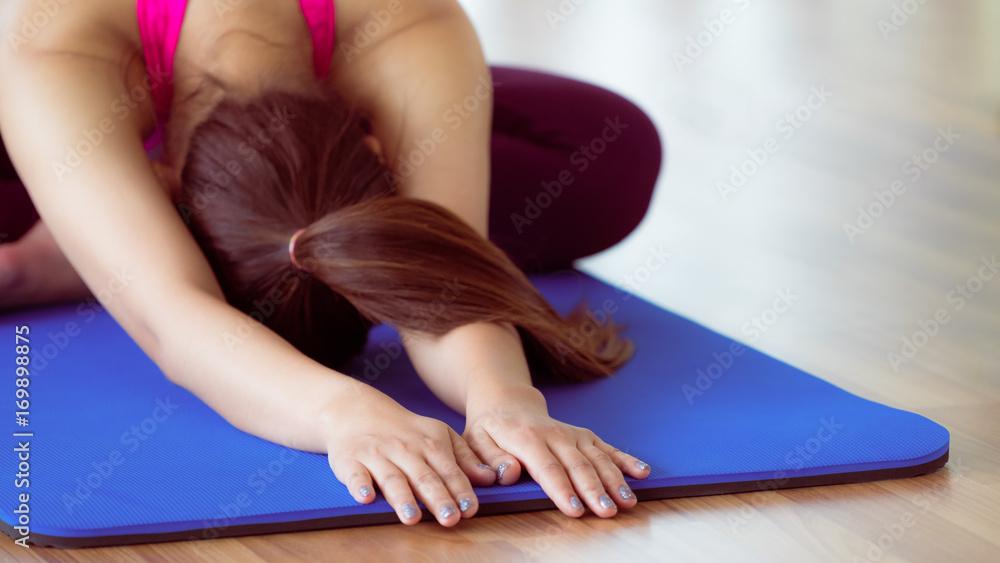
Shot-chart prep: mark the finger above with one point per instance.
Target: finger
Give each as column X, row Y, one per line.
column 359, row 482
column 610, row 475
column 396, row 489
column 429, row 486
column 506, row 467
column 586, row 480
column 444, row 463
column 627, row 463
column 479, row 473
column 550, row 473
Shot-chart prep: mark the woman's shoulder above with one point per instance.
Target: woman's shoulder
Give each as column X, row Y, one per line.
column 363, row 22
column 58, row 57
column 371, row 30
column 101, row 29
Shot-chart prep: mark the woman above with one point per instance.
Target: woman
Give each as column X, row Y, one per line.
column 273, row 197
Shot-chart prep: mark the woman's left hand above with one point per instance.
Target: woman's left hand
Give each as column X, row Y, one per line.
column 570, row 463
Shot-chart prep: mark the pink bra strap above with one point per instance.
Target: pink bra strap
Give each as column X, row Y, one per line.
column 160, row 28
column 321, row 21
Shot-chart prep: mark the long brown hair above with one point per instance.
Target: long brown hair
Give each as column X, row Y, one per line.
column 259, row 170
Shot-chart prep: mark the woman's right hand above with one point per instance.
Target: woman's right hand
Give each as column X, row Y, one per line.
column 373, row 440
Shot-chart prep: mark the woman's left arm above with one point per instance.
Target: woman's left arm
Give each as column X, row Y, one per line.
column 427, row 90
column 416, row 69
column 480, row 370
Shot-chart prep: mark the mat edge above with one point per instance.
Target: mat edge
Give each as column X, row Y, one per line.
column 492, row 509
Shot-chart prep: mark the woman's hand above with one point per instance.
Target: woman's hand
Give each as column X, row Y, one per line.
column 513, row 429
column 374, row 440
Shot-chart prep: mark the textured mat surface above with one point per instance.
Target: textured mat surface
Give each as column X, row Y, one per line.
column 117, row 454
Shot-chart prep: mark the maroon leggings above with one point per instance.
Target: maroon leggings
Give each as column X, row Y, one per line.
column 573, row 169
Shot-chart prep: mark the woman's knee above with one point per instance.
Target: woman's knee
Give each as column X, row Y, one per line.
column 626, row 159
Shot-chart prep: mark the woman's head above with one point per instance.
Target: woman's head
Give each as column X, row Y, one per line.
column 258, row 171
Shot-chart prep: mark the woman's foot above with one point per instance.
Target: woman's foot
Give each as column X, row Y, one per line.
column 34, row 271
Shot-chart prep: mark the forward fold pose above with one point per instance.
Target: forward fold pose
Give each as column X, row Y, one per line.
column 222, row 161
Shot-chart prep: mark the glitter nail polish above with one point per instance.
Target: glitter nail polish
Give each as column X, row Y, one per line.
column 575, row 503
column 465, row 504
column 446, row 511
column 606, row 502
column 642, row 465
column 409, row 511
column 486, row 467
column 626, row 492
column 502, row 467
column 365, row 492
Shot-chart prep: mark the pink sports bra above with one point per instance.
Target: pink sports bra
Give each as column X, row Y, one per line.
column 160, row 28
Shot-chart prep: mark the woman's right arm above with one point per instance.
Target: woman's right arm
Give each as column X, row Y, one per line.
column 119, row 230
column 121, row 233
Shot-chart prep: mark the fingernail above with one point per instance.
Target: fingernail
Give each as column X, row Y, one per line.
column 365, row 491
column 446, row 511
column 642, row 465
column 575, row 503
column 606, row 502
column 626, row 492
column 486, row 467
column 503, row 467
column 409, row 511
column 465, row 504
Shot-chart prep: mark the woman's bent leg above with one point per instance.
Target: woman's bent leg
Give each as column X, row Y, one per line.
column 573, row 168
column 33, row 270
column 17, row 214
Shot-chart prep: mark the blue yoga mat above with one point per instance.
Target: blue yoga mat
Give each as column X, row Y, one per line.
column 119, row 455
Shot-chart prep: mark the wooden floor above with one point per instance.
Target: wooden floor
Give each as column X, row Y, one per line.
column 893, row 90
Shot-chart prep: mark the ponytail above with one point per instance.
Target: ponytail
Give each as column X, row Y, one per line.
column 367, row 256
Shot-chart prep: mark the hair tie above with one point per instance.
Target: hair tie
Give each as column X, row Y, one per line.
column 291, row 248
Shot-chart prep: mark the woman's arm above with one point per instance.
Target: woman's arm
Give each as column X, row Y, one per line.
column 113, row 221
column 426, row 87
column 97, row 193
column 480, row 370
